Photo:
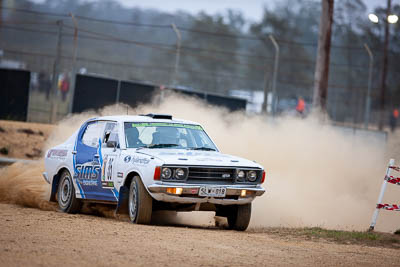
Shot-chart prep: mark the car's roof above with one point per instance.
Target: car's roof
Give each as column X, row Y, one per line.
column 130, row 118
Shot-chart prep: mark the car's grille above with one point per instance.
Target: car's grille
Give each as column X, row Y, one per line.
column 211, row 175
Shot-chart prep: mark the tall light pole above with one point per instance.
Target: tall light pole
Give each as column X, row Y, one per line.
column 274, row 77
column 178, row 53
column 384, row 69
column 56, row 72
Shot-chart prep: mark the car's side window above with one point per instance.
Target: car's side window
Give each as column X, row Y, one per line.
column 92, row 133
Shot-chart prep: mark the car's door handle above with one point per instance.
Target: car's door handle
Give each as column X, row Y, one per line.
column 74, row 152
column 96, row 156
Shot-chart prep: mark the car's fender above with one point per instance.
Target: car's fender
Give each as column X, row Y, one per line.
column 141, row 164
column 56, row 159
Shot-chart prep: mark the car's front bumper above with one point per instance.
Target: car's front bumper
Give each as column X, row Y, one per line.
column 190, row 193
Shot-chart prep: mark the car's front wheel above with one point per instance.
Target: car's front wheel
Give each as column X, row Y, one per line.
column 239, row 217
column 66, row 194
column 140, row 202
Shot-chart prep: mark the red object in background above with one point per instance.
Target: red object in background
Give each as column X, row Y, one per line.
column 301, row 105
column 396, row 113
column 64, row 85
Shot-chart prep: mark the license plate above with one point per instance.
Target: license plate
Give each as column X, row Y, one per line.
column 206, row 191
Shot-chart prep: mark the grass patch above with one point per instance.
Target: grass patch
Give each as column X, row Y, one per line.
column 376, row 239
column 341, row 235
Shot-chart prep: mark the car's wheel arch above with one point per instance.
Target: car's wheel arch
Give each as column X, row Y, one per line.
column 124, row 191
column 56, row 179
column 129, row 176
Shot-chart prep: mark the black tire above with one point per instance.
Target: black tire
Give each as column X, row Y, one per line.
column 239, row 217
column 66, row 198
column 140, row 202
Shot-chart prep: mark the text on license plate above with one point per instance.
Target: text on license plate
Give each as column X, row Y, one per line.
column 206, row 191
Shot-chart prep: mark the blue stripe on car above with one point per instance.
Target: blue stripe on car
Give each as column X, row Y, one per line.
column 74, row 165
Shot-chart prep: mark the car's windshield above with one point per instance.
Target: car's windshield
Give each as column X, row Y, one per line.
column 167, row 135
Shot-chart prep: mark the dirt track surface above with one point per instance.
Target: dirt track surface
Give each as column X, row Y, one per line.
column 31, row 237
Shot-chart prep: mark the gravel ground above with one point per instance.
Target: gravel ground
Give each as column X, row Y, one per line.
column 32, row 237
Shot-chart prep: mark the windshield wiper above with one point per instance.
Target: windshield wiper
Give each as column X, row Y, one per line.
column 202, row 148
column 161, row 145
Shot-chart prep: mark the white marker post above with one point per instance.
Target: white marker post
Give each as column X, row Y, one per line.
column 383, row 189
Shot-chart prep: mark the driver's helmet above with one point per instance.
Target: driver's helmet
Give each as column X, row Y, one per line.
column 132, row 136
column 167, row 135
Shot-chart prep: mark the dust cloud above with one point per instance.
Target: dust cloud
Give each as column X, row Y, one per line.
column 317, row 175
column 23, row 184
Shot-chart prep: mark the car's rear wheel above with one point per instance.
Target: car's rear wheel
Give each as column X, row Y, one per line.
column 140, row 202
column 239, row 217
column 66, row 198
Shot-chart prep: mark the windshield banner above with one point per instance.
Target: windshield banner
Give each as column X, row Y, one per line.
column 161, row 124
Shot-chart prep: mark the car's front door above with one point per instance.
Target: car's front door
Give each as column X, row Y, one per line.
column 89, row 163
column 109, row 154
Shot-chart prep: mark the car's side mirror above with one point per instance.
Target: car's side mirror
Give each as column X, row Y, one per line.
column 107, row 136
column 111, row 143
column 112, row 140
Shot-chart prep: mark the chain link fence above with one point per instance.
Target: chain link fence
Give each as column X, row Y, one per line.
column 54, row 52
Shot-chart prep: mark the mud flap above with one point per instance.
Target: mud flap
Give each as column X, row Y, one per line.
column 122, row 206
column 54, row 188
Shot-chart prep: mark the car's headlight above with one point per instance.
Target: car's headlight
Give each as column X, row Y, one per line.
column 252, row 176
column 166, row 173
column 180, row 173
column 240, row 175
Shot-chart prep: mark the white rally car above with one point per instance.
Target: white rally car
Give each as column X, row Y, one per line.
column 151, row 162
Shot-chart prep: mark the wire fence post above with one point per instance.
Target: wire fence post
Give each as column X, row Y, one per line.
column 383, row 189
column 56, row 71
column 368, row 98
column 178, row 53
column 73, row 70
column 275, row 74
column 118, row 92
column 264, row 108
column 381, row 123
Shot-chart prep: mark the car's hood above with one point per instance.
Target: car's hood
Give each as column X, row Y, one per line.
column 193, row 157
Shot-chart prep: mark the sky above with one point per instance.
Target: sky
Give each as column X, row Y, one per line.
column 251, row 9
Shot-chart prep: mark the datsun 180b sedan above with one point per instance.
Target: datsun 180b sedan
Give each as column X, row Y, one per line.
column 151, row 162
